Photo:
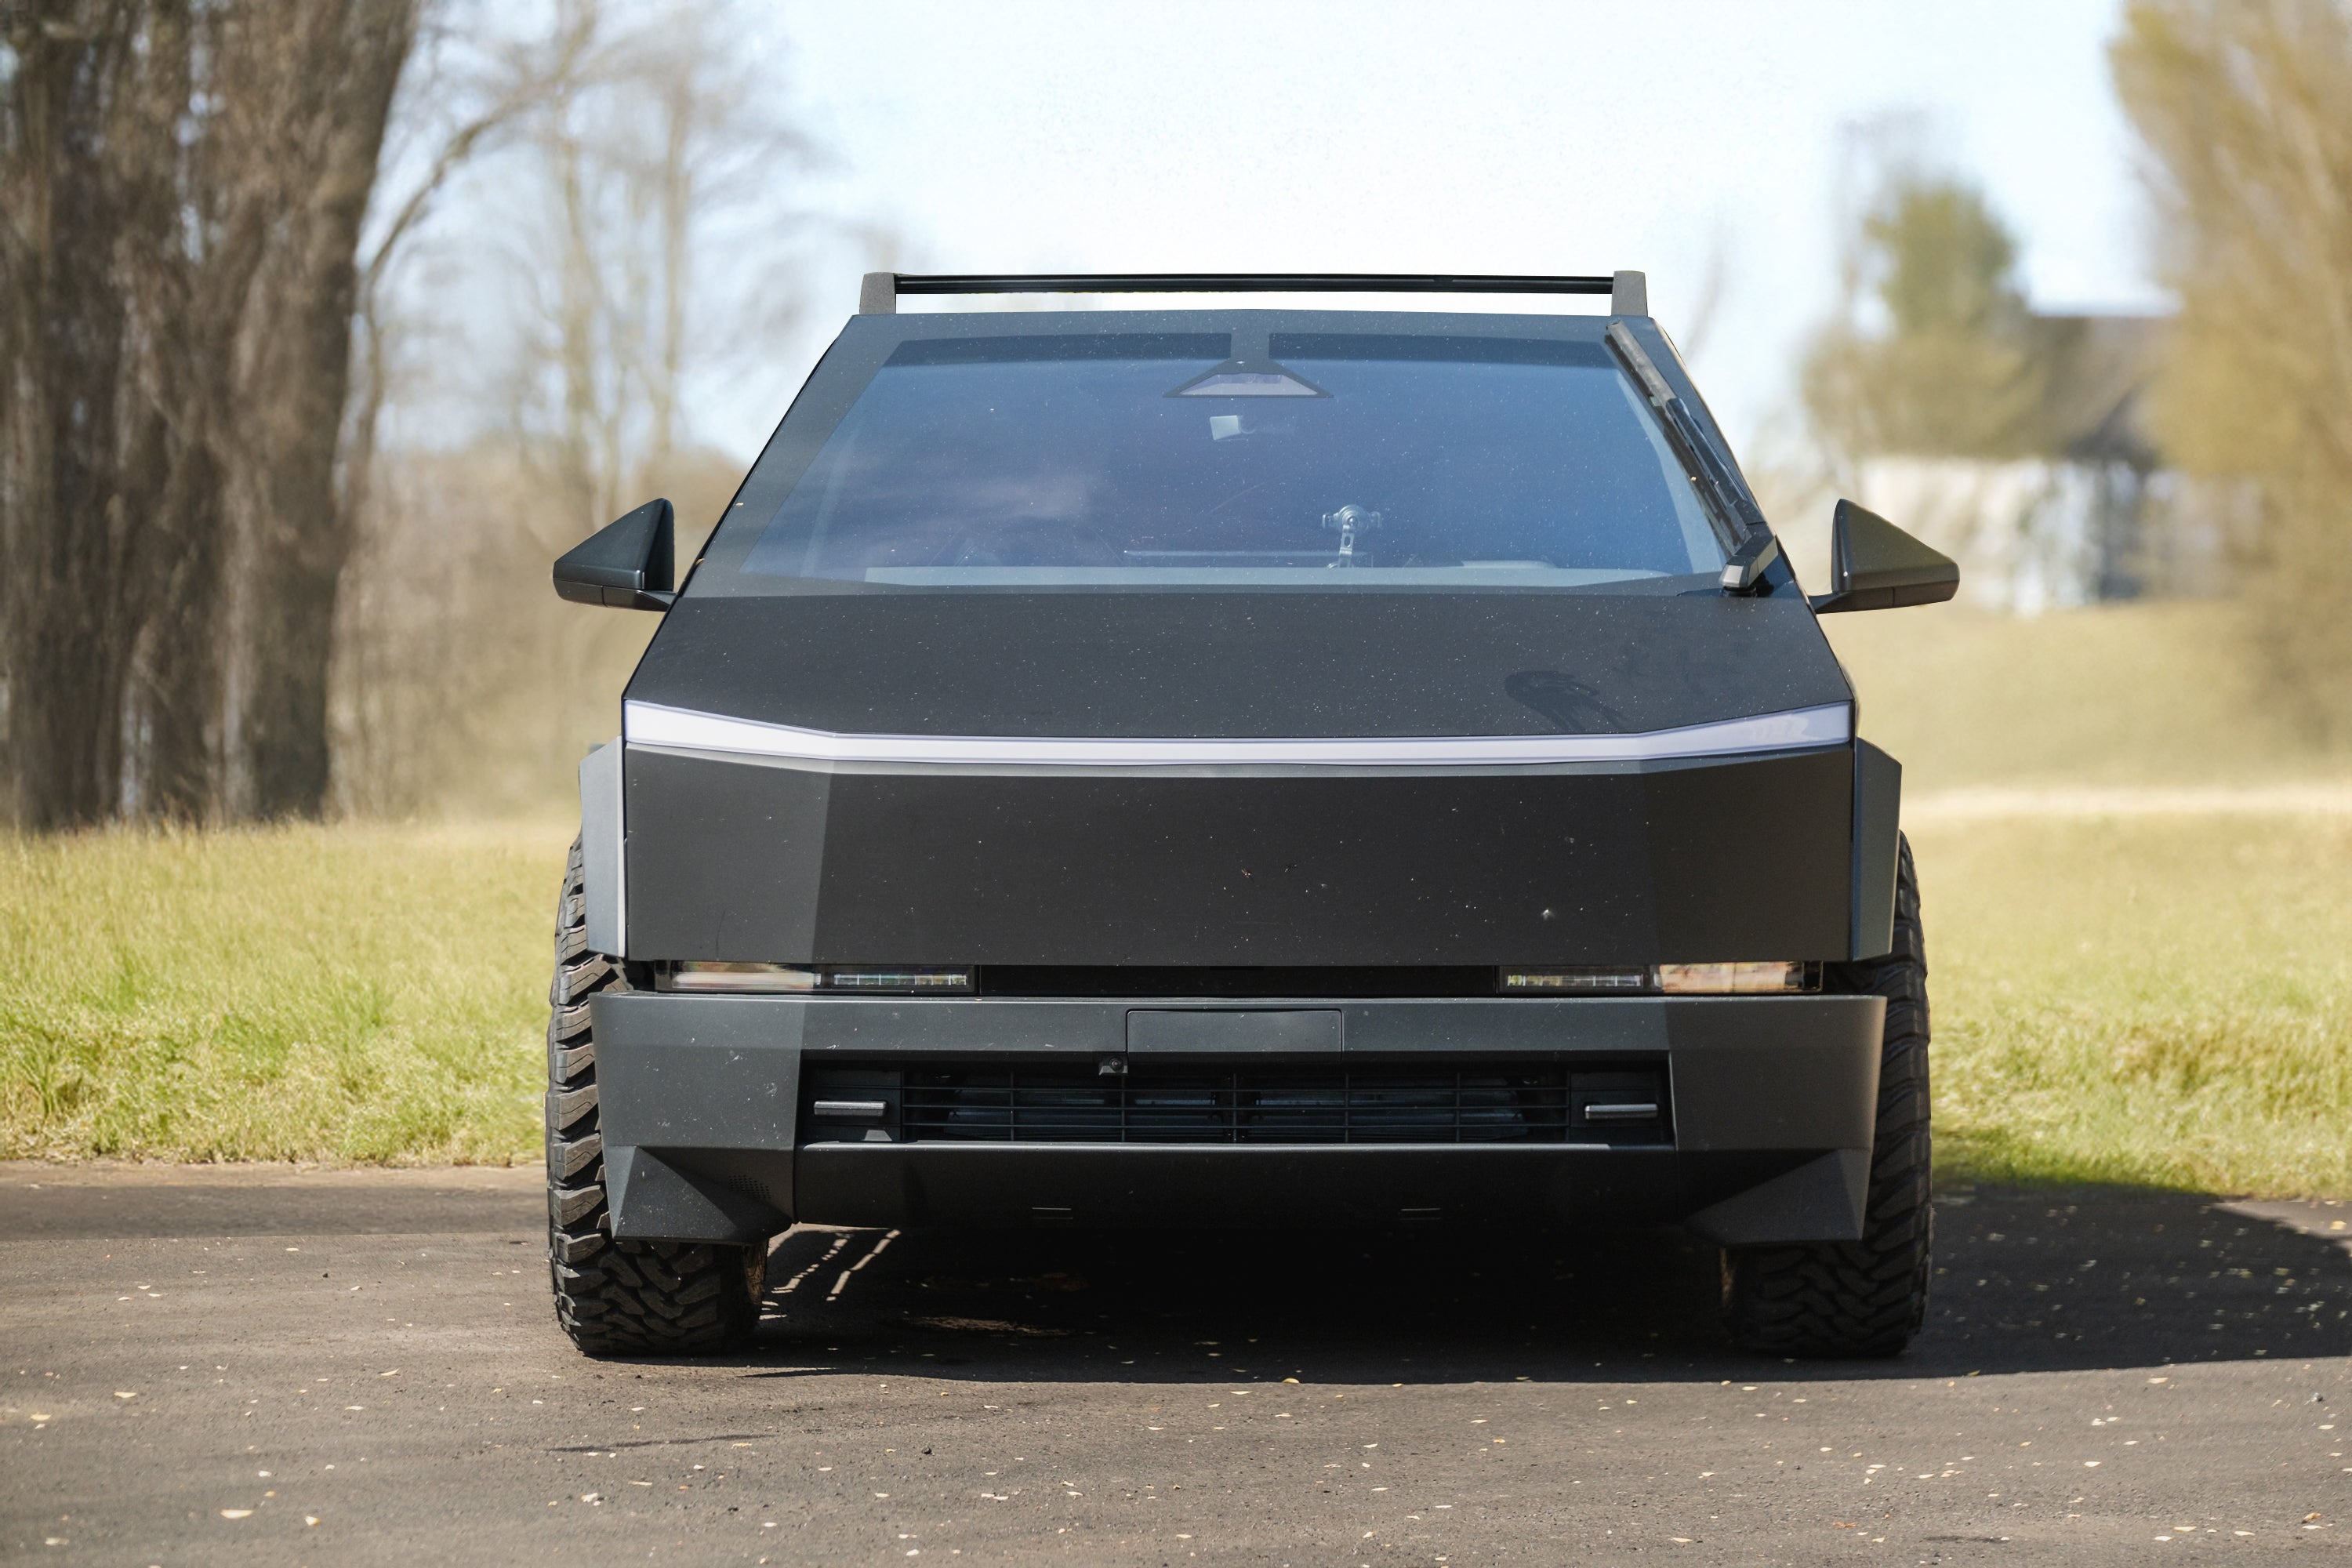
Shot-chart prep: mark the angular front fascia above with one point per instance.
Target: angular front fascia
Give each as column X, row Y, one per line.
column 1681, row 860
column 1773, row 1104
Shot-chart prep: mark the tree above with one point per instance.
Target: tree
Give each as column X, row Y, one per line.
column 1949, row 366
column 650, row 245
column 306, row 102
column 185, row 188
column 661, row 164
column 87, row 166
column 201, row 301
column 2245, row 111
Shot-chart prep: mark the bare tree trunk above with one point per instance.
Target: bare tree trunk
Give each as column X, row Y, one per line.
column 176, row 699
column 290, row 368
column 184, row 185
column 82, row 156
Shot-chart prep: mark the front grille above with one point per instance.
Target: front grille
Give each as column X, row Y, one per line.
column 1484, row 1103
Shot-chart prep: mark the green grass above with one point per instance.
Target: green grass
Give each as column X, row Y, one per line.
column 347, row 994
column 2165, row 1001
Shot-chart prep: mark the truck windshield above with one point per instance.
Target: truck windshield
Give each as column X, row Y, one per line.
column 1300, row 460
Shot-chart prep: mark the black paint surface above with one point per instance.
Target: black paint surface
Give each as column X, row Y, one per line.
column 1748, row 858
column 1253, row 665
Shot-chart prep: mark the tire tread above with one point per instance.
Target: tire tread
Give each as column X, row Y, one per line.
column 619, row 1298
column 1865, row 1297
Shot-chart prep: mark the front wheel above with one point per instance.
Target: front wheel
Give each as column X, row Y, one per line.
column 620, row 1297
column 1865, row 1297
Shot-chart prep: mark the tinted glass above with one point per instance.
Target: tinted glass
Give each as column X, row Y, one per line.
column 1332, row 460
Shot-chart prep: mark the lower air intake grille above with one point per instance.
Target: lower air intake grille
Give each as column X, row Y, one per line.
column 1468, row 1104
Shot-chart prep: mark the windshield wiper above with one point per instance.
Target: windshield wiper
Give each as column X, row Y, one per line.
column 1738, row 523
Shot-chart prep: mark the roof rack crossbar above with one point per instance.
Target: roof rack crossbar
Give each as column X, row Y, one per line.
column 1628, row 291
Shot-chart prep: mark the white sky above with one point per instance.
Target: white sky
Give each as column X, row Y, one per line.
column 1279, row 135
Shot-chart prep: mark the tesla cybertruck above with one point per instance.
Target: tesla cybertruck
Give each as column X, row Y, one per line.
column 1241, row 768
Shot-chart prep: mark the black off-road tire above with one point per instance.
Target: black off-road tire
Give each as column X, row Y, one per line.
column 1865, row 1297
column 620, row 1297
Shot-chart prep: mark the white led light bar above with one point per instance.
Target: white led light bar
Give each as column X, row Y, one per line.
column 1734, row 979
column 677, row 729
column 1671, row 979
column 698, row 974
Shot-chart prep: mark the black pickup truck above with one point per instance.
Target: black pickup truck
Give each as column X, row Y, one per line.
column 1241, row 768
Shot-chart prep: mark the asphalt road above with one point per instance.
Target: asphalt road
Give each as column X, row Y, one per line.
column 242, row 1366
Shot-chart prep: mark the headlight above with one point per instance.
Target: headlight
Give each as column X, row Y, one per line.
column 1577, row 982
column 1737, row 979
column 1675, row 979
column 698, row 974
column 898, row 980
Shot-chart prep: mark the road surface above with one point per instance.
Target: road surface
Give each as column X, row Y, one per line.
column 225, row 1365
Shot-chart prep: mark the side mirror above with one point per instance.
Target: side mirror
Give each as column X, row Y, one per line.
column 629, row 564
column 1875, row 565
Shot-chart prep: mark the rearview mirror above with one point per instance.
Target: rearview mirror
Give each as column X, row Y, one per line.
column 628, row 564
column 1875, row 565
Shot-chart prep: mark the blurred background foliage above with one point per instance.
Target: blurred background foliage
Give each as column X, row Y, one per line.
column 2246, row 113
column 2205, row 452
column 1951, row 364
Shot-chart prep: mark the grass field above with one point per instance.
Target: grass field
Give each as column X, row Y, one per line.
column 341, row 994
column 2161, row 1000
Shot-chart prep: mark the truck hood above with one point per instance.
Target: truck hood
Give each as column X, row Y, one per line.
column 1338, row 666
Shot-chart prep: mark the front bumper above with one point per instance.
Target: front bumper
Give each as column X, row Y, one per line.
column 709, row 1133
